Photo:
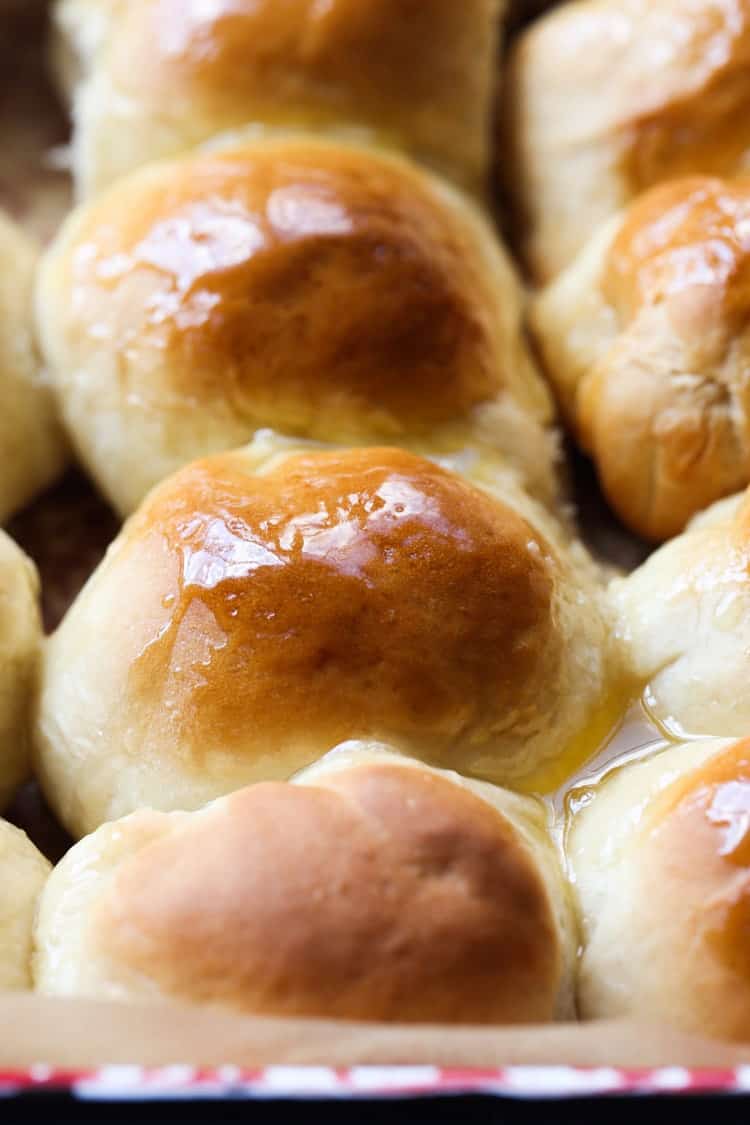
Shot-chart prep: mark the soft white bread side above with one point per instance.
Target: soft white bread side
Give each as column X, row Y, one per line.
column 23, row 873
column 660, row 854
column 20, row 640
column 684, row 618
column 32, row 449
column 373, row 888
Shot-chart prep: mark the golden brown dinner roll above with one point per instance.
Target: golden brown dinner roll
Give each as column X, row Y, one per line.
column 661, row 862
column 23, row 872
column 685, row 621
column 31, row 443
column 151, row 78
column 606, row 98
column 260, row 609
column 20, row 637
column 312, row 287
column 646, row 339
column 376, row 890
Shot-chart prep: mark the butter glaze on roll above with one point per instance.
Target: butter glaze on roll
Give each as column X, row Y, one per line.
column 376, row 890
column 260, row 613
column 315, row 288
column 23, row 872
column 151, row 78
column 20, row 639
column 684, row 618
column 32, row 451
column 606, row 98
column 645, row 338
column 661, row 858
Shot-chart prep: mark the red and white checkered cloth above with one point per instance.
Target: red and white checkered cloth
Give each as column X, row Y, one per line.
column 118, row 1083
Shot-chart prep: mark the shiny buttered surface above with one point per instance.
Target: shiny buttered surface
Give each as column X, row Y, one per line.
column 20, row 640
column 23, row 873
column 150, row 78
column 661, row 861
column 606, row 98
column 324, row 290
column 372, row 889
column 32, row 448
column 645, row 338
column 262, row 609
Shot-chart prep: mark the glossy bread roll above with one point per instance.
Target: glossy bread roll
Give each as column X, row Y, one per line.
column 151, row 78
column 661, row 859
column 684, row 616
column 31, row 443
column 312, row 287
column 606, row 98
column 23, row 872
column 646, row 339
column 376, row 890
column 20, row 638
column 262, row 609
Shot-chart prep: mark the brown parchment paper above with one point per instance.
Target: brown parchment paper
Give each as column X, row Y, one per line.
column 66, row 532
column 83, row 1034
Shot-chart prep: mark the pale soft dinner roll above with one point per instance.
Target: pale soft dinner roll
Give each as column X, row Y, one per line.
column 684, row 618
column 23, row 872
column 151, row 78
column 20, row 638
column 318, row 288
column 260, row 609
column 646, row 339
column 31, row 443
column 606, row 98
column 661, row 859
column 375, row 890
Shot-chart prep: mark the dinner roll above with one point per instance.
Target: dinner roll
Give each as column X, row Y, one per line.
column 661, row 862
column 376, row 891
column 605, row 98
column 31, row 443
column 20, row 637
column 317, row 288
column 684, row 616
column 150, row 78
column 23, row 872
column 646, row 339
column 259, row 610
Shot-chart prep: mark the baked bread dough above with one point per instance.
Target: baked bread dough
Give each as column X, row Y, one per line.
column 151, row 78
column 20, row 639
column 603, row 99
column 662, row 870
column 23, row 873
column 263, row 607
column 684, row 617
column 373, row 889
column 32, row 448
column 645, row 338
column 320, row 289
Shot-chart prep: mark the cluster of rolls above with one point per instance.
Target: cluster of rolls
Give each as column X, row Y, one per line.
column 305, row 719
